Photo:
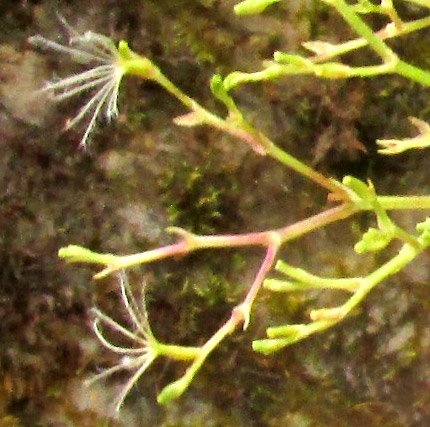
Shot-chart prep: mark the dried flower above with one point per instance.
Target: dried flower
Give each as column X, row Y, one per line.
column 103, row 76
column 397, row 146
column 136, row 358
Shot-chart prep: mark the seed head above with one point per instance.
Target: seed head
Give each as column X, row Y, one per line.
column 143, row 350
column 105, row 69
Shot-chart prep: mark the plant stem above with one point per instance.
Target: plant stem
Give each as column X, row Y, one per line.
column 239, row 314
column 413, row 73
column 191, row 242
column 390, row 31
column 177, row 352
column 378, row 45
column 267, row 264
column 404, row 202
column 179, row 386
column 350, row 16
column 282, row 336
column 406, row 254
column 243, row 130
column 332, row 185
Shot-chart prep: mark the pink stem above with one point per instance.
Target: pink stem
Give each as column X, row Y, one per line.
column 270, row 239
column 264, row 269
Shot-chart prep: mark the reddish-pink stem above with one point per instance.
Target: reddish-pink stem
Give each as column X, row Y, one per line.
column 259, row 278
column 271, row 238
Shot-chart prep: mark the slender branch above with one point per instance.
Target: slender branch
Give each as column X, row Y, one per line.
column 388, row 32
column 267, row 264
column 242, row 130
column 377, row 44
column 271, row 238
column 282, row 336
column 404, row 202
column 240, row 314
column 330, row 184
column 264, row 269
column 191, row 242
column 178, row 387
column 411, row 72
column 406, row 254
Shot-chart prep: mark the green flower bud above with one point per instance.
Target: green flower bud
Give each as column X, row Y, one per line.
column 172, row 391
column 269, row 346
column 373, row 240
column 252, row 7
column 75, row 253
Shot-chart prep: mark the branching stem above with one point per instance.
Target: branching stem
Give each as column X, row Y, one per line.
column 352, row 195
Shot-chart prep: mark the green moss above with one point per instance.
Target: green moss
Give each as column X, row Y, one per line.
column 193, row 28
column 199, row 198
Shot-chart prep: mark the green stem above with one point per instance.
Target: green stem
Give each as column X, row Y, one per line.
column 249, row 134
column 379, row 46
column 350, row 16
column 326, row 318
column 316, row 221
column 412, row 72
column 179, row 386
column 330, row 184
column 406, row 255
column 404, row 202
column 385, row 33
column 177, row 352
column 272, row 344
column 306, row 280
column 242, row 130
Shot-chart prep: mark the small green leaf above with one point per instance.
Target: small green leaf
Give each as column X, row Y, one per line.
column 75, row 253
column 172, row 391
column 218, row 88
column 276, row 285
column 373, row 240
column 290, row 331
column 124, row 51
column 252, row 7
column 365, row 193
column 286, row 58
column 233, row 79
column 269, row 346
column 355, row 184
column 397, row 146
column 328, row 314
